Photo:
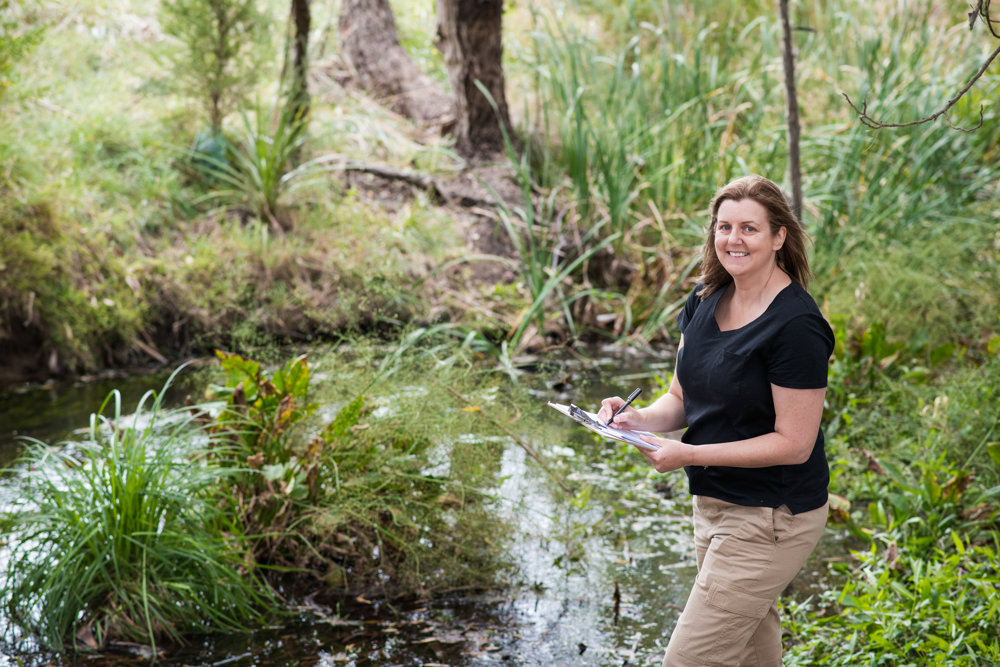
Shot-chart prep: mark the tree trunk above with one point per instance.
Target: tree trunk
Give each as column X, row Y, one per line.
column 370, row 45
column 301, row 19
column 788, row 57
column 469, row 33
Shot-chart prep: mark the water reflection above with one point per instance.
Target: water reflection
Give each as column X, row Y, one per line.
column 55, row 411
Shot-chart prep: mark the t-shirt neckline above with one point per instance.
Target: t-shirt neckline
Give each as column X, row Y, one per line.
column 722, row 291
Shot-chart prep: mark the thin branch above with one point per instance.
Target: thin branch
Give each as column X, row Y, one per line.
column 982, row 9
column 878, row 125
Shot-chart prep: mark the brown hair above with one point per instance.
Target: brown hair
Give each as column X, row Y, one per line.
column 792, row 257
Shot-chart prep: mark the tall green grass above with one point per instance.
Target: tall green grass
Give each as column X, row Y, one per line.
column 646, row 117
column 118, row 538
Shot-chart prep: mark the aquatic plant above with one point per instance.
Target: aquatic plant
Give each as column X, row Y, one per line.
column 117, row 538
column 356, row 504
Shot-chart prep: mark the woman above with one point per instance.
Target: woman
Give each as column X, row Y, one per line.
column 749, row 386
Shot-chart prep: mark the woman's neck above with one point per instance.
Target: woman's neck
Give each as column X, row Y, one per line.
column 746, row 299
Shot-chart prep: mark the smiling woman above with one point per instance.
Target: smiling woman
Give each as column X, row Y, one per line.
column 749, row 386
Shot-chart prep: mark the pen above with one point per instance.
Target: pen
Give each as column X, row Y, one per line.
column 628, row 401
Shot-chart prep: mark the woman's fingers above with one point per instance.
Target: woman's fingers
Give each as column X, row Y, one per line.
column 608, row 407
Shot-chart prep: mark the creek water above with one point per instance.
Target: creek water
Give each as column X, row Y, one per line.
column 600, row 578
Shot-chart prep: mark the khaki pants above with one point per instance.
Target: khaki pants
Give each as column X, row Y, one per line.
column 746, row 557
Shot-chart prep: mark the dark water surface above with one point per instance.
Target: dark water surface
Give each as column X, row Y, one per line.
column 600, row 580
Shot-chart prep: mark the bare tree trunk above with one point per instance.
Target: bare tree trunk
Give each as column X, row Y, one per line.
column 470, row 38
column 370, row 45
column 788, row 57
column 301, row 19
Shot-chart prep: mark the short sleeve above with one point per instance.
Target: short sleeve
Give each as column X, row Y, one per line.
column 800, row 353
column 690, row 306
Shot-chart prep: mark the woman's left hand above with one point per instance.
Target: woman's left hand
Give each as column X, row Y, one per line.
column 671, row 455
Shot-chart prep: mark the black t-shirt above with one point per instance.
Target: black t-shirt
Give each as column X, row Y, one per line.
column 726, row 377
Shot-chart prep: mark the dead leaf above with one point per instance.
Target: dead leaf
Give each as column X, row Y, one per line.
column 892, row 556
column 956, row 486
column 85, row 636
column 873, row 464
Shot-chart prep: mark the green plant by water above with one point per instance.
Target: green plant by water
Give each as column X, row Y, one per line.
column 166, row 524
column 118, row 538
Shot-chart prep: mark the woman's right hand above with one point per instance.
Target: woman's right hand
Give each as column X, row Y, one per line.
column 630, row 418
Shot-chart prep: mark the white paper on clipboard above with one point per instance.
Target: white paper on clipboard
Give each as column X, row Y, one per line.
column 589, row 420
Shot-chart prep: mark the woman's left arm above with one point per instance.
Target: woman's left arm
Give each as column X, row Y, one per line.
column 796, row 425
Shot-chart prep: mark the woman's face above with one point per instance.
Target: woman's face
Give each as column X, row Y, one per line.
column 744, row 242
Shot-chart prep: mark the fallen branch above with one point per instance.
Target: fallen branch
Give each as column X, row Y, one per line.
column 417, row 180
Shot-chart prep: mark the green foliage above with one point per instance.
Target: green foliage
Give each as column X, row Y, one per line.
column 158, row 527
column 117, row 539
column 643, row 120
column 924, row 590
column 54, row 294
column 912, row 403
column 352, row 502
column 600, row 110
column 258, row 425
column 547, row 273
column 217, row 52
column 17, row 37
column 256, row 171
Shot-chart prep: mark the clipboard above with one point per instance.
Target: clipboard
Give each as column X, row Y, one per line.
column 589, row 420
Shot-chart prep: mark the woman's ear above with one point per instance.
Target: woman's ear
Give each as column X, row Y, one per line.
column 779, row 238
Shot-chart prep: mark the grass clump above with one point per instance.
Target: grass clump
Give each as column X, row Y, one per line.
column 117, row 538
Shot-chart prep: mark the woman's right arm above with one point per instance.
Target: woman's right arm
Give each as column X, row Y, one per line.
column 663, row 415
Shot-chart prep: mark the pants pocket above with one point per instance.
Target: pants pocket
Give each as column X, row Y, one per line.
column 733, row 601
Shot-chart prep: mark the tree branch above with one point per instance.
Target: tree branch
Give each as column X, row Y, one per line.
column 878, row 125
column 982, row 9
